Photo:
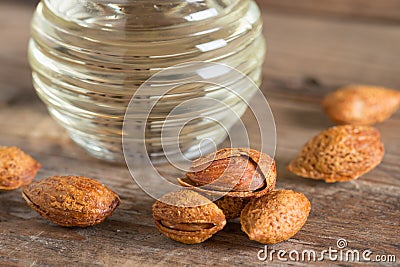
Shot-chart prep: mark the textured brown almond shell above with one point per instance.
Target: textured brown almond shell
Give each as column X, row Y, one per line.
column 176, row 208
column 16, row 168
column 71, row 200
column 275, row 217
column 339, row 154
column 361, row 105
column 231, row 206
column 265, row 164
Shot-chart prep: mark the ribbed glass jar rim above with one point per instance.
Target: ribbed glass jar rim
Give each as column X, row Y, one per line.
column 144, row 14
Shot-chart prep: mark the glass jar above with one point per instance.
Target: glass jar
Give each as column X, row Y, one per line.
column 89, row 57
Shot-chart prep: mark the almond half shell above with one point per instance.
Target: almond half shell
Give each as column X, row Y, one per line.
column 204, row 178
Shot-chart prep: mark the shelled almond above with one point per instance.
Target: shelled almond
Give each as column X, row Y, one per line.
column 231, row 176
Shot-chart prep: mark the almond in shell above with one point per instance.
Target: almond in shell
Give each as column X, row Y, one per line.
column 231, row 206
column 71, row 200
column 339, row 154
column 275, row 217
column 16, row 168
column 234, row 172
column 188, row 217
column 361, row 104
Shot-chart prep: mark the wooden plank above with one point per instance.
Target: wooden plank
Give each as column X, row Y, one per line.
column 129, row 236
column 386, row 10
column 307, row 57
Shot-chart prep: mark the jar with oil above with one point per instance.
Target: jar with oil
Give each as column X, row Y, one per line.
column 89, row 57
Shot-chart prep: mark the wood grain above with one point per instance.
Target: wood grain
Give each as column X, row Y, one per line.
column 307, row 57
column 384, row 11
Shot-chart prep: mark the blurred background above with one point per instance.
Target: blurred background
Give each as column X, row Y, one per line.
column 311, row 44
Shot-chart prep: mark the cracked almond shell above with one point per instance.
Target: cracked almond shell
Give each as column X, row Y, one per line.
column 339, row 154
column 16, row 168
column 71, row 200
column 187, row 217
column 248, row 174
column 275, row 217
column 361, row 104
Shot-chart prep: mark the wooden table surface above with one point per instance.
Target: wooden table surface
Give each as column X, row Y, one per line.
column 311, row 51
